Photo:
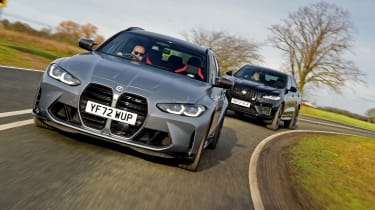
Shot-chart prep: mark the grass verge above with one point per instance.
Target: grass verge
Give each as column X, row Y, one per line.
column 22, row 50
column 336, row 170
column 336, row 117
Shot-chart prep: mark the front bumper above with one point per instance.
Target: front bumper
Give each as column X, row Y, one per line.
column 258, row 110
column 157, row 133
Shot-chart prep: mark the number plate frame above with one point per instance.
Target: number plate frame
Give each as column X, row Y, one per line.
column 110, row 113
column 240, row 102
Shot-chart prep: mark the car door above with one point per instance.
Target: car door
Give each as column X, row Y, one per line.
column 296, row 96
column 291, row 97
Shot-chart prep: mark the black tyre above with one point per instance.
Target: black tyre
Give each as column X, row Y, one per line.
column 216, row 137
column 291, row 124
column 194, row 164
column 39, row 123
column 276, row 119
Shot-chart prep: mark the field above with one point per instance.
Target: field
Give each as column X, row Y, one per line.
column 21, row 50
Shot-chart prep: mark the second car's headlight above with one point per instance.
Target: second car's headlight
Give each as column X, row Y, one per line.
column 190, row 110
column 61, row 75
column 272, row 97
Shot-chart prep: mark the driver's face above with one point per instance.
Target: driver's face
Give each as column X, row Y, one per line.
column 138, row 52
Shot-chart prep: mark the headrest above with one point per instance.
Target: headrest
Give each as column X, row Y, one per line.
column 175, row 61
column 194, row 61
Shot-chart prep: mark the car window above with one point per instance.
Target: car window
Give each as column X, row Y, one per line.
column 214, row 67
column 160, row 53
column 263, row 76
column 293, row 84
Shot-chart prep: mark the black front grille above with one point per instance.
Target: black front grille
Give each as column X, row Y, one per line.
column 134, row 104
column 99, row 94
column 244, row 93
column 127, row 102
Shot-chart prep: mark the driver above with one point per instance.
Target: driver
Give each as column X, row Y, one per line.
column 256, row 76
column 138, row 52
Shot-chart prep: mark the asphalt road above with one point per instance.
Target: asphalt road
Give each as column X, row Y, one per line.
column 43, row 169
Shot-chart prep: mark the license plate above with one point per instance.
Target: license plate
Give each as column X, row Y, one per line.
column 111, row 113
column 240, row 102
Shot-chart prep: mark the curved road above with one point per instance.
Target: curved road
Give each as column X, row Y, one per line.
column 43, row 169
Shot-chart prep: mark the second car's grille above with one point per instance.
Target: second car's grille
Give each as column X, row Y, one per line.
column 99, row 94
column 244, row 93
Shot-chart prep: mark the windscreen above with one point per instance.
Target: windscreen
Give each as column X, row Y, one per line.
column 262, row 76
column 163, row 54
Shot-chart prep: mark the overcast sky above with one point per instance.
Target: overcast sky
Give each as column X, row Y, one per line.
column 246, row 18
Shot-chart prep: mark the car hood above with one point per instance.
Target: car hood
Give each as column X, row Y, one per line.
column 135, row 77
column 255, row 86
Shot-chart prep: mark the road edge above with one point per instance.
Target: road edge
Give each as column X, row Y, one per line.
column 253, row 179
column 20, row 68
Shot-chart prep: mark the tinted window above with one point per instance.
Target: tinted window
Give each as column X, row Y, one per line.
column 263, row 76
column 159, row 53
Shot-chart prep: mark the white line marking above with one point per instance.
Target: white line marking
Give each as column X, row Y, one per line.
column 16, row 124
column 354, row 128
column 8, row 114
column 20, row 68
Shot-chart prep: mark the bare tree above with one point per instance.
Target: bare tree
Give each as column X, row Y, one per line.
column 232, row 51
column 71, row 31
column 315, row 40
column 88, row 30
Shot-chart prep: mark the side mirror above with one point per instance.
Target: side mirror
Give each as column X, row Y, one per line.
column 222, row 82
column 293, row 89
column 230, row 73
column 86, row 44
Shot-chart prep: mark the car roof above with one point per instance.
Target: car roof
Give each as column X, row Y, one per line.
column 183, row 43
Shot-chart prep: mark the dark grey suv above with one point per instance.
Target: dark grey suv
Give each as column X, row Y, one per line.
column 266, row 94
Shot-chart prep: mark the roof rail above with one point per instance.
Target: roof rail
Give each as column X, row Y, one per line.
column 133, row 28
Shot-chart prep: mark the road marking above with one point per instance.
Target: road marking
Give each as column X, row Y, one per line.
column 16, row 124
column 9, row 114
column 354, row 128
column 20, row 68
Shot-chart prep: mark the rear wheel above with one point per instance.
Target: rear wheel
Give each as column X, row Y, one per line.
column 276, row 119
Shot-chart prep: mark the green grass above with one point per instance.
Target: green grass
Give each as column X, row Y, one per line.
column 35, row 51
column 21, row 50
column 337, row 171
column 336, row 117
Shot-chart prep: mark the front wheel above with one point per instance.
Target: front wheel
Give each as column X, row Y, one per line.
column 291, row 124
column 216, row 137
column 193, row 165
column 276, row 119
column 41, row 124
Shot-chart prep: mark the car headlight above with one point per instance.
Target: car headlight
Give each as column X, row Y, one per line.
column 190, row 110
column 272, row 97
column 58, row 73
